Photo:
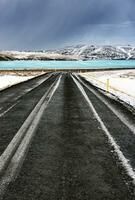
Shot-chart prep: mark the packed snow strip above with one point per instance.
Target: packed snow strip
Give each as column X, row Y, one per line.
column 120, row 83
column 9, row 80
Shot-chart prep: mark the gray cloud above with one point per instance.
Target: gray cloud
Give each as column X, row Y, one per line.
column 38, row 24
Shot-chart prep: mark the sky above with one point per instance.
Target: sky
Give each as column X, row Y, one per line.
column 48, row 24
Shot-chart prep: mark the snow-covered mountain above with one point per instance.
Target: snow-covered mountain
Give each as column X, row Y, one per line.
column 78, row 52
column 88, row 52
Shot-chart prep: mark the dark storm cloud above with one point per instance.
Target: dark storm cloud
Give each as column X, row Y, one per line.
column 37, row 24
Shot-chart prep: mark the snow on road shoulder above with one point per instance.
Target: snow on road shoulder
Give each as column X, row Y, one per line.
column 121, row 83
column 9, row 80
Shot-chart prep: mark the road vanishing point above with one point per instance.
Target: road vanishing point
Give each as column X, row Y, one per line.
column 61, row 138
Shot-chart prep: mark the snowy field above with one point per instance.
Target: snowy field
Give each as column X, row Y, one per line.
column 120, row 83
column 9, row 80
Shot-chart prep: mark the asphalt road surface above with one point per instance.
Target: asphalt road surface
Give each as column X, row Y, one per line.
column 62, row 139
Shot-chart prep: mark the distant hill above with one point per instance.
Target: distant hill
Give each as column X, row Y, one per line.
column 5, row 57
column 78, row 52
column 16, row 55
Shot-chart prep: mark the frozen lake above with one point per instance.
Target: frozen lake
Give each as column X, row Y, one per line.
column 92, row 64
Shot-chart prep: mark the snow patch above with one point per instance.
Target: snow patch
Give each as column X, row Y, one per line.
column 121, row 83
column 9, row 80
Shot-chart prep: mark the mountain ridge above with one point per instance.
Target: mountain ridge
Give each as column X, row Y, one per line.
column 77, row 52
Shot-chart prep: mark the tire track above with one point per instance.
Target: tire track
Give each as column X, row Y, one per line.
column 12, row 158
column 8, row 106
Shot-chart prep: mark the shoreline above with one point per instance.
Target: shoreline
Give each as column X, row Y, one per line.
column 37, row 71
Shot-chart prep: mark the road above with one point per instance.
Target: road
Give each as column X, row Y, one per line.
column 61, row 138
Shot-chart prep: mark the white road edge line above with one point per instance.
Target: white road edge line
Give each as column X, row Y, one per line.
column 120, row 116
column 121, row 157
column 3, row 113
column 20, row 154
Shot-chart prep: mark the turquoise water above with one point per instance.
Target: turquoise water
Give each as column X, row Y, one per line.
column 93, row 64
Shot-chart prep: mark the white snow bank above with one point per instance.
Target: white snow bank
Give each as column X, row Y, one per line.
column 9, row 80
column 121, row 83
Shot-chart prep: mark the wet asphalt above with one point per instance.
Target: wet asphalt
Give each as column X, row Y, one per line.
column 70, row 157
column 11, row 121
